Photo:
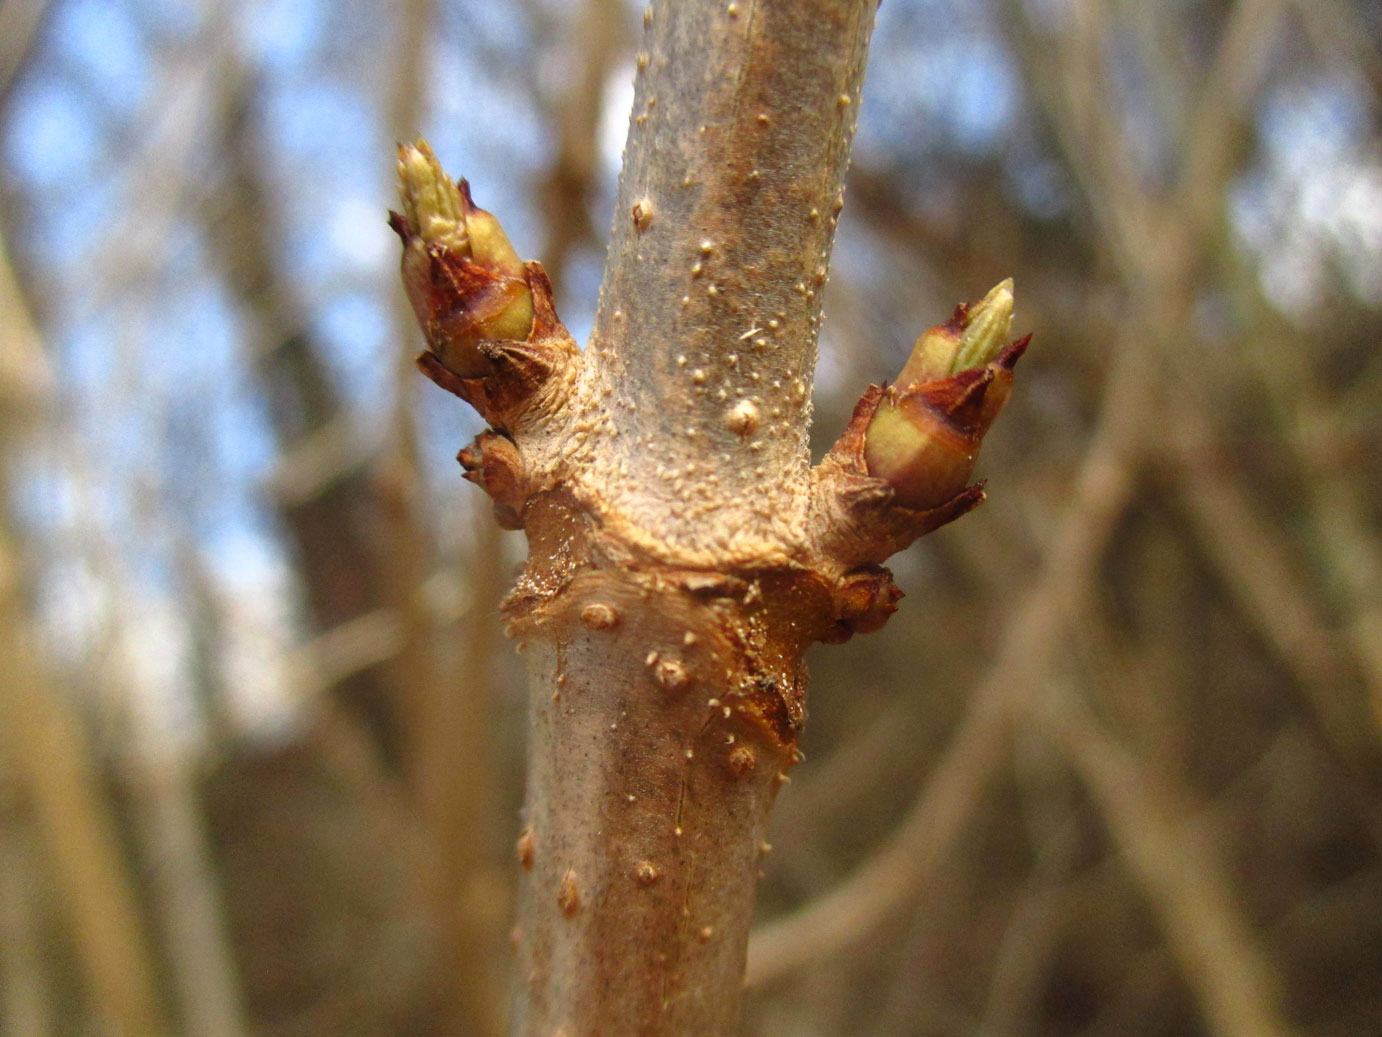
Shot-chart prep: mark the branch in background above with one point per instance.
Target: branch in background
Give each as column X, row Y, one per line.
column 20, row 24
column 1259, row 574
column 51, row 757
column 569, row 186
column 185, row 892
column 336, row 533
column 448, row 712
column 1215, row 140
column 1312, row 421
column 56, row 765
column 1094, row 145
column 1336, row 28
column 333, row 525
column 1180, row 876
column 171, row 843
column 1040, row 918
column 26, row 995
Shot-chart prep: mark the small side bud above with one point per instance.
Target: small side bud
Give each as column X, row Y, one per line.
column 463, row 276
column 924, row 437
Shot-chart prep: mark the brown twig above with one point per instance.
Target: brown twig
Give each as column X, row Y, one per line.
column 52, row 757
column 1181, row 876
column 1259, row 574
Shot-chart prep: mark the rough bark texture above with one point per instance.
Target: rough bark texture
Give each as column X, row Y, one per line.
column 683, row 552
column 706, row 333
column 666, row 682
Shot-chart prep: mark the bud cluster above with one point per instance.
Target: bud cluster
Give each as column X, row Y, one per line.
column 924, row 436
column 463, row 277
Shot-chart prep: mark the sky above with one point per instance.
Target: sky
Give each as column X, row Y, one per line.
column 157, row 425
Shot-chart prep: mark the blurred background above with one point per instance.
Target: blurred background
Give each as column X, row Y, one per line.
column 1114, row 768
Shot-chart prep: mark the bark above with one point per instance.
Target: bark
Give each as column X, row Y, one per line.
column 46, row 744
column 683, row 552
column 665, row 673
column 726, row 212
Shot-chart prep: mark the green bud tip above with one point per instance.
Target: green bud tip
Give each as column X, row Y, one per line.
column 464, row 278
column 988, row 325
column 432, row 203
column 442, row 213
column 924, row 436
column 973, row 337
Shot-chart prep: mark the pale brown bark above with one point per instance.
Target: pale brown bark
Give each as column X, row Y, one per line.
column 725, row 217
column 644, row 831
column 670, row 591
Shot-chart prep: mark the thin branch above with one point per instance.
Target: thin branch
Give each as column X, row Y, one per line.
column 1181, row 876
column 1336, row 506
column 1024, row 955
column 571, row 179
column 1336, row 29
column 54, row 760
column 185, row 892
column 26, row 998
column 52, row 753
column 447, row 715
column 1212, row 149
column 21, row 21
column 1260, row 576
column 1074, row 93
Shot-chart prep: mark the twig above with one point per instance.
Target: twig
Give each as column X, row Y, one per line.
column 572, row 176
column 53, row 759
column 20, row 24
column 1180, row 876
column 1335, row 27
column 446, row 716
column 26, row 1005
column 1024, row 953
column 186, row 895
column 1261, row 578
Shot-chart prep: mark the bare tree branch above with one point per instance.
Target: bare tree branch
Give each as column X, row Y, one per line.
column 1181, row 876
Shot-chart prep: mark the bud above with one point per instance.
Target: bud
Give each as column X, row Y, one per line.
column 924, row 437
column 463, row 277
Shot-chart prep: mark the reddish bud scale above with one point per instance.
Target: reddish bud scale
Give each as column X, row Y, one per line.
column 924, row 438
column 460, row 304
column 462, row 276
